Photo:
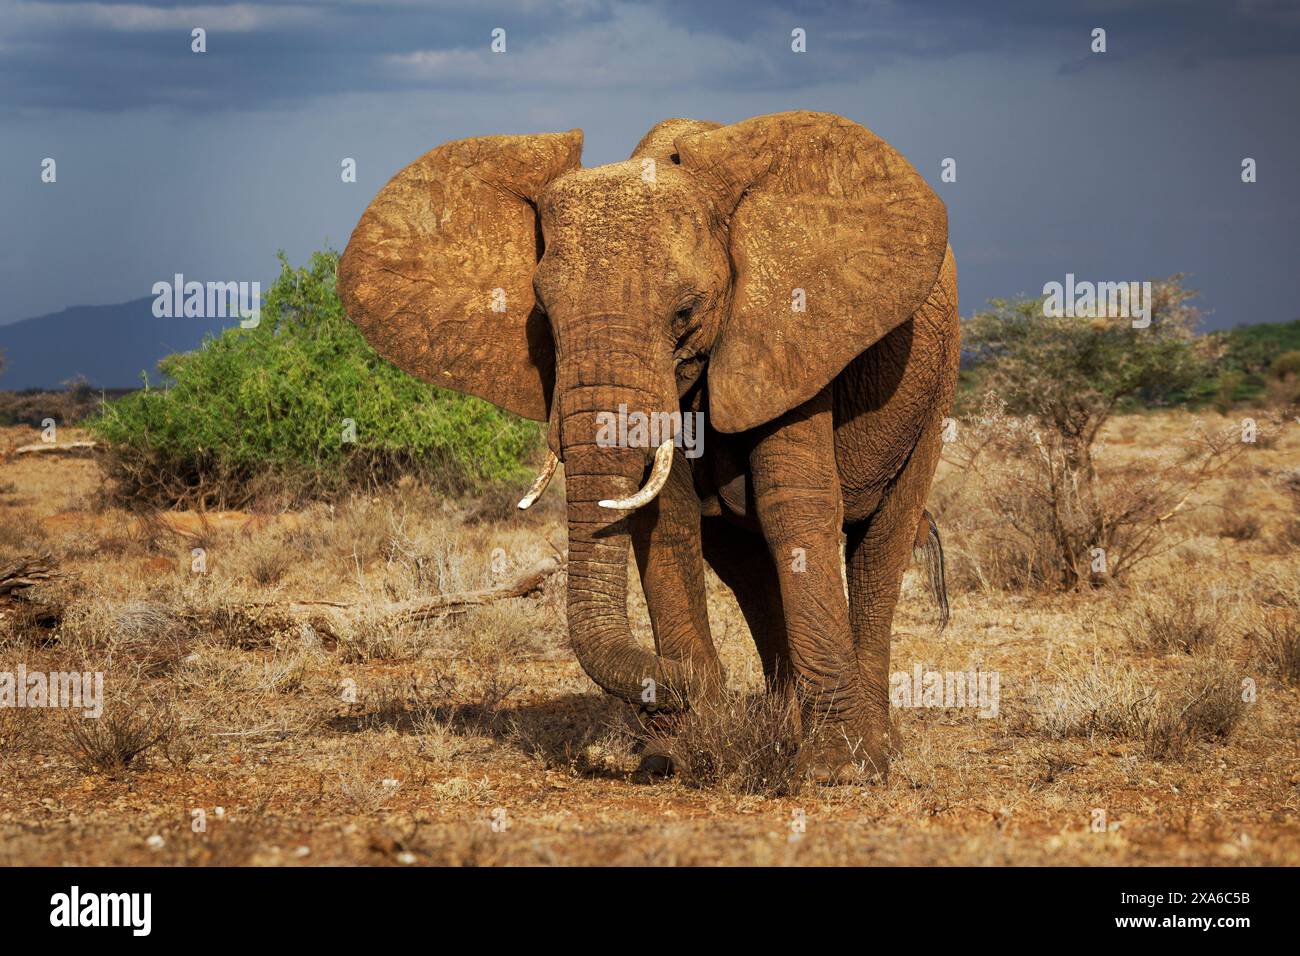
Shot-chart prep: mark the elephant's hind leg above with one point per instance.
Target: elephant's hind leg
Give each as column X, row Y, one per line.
column 741, row 560
column 878, row 551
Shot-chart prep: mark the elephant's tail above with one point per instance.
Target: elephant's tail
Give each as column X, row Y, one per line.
column 930, row 545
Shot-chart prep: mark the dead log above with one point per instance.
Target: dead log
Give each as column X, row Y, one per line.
column 55, row 448
column 329, row 617
column 24, row 573
column 19, row 613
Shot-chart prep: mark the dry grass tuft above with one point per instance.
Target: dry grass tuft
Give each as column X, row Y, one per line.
column 1202, row 703
column 1239, row 525
column 1277, row 636
column 1176, row 622
column 152, row 635
column 267, row 567
column 1207, row 704
column 130, row 726
column 743, row 743
column 21, row 730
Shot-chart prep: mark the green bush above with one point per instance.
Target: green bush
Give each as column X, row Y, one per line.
column 258, row 413
column 1283, row 388
column 1251, row 348
column 1074, row 373
column 1227, row 392
column 1288, row 363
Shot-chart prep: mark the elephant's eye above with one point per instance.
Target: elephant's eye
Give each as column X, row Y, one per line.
column 684, row 314
column 683, row 324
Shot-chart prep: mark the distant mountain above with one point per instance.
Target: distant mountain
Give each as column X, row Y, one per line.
column 108, row 344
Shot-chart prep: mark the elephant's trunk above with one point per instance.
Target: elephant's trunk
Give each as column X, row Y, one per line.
column 599, row 537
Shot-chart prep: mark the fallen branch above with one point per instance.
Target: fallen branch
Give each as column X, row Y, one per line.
column 24, row 573
column 328, row 616
column 55, row 448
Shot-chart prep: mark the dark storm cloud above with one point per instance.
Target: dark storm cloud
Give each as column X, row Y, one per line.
column 1122, row 166
column 112, row 56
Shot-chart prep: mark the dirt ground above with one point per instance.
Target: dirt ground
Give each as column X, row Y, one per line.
column 475, row 738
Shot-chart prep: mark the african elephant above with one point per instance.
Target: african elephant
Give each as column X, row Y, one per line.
column 788, row 279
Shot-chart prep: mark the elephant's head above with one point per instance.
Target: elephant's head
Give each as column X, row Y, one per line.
column 763, row 256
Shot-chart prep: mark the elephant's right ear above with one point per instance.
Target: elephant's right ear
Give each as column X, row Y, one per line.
column 438, row 274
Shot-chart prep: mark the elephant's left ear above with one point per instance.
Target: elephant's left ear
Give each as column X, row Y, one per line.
column 836, row 240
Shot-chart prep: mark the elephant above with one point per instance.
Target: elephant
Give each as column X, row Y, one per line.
column 786, row 281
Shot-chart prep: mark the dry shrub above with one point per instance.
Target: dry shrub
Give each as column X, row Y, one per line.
column 742, row 743
column 358, row 535
column 21, row 729
column 1030, row 504
column 1239, row 526
column 133, row 722
column 29, row 623
column 269, row 565
column 486, row 652
column 286, row 672
column 20, row 537
column 152, row 635
column 406, row 706
column 1279, row 644
column 1176, row 622
column 372, row 638
column 284, row 694
column 362, row 790
column 1205, row 705
column 69, row 405
column 491, row 643
column 141, row 533
column 1275, row 628
column 980, row 561
column 1287, row 537
column 1088, row 701
column 156, row 632
column 1289, row 481
column 230, row 624
column 1203, row 701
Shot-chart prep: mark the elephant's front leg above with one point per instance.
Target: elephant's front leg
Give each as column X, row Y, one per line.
column 798, row 503
column 669, row 554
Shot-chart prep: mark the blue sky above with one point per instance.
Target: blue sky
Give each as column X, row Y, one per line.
column 1115, row 166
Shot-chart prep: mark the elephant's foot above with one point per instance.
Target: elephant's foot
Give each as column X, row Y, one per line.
column 655, row 762
column 839, row 757
column 659, row 730
column 653, row 766
column 848, row 773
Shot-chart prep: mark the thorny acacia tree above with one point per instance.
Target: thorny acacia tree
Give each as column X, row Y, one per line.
column 1049, row 386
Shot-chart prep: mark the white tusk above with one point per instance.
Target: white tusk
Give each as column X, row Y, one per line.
column 654, row 484
column 543, row 479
